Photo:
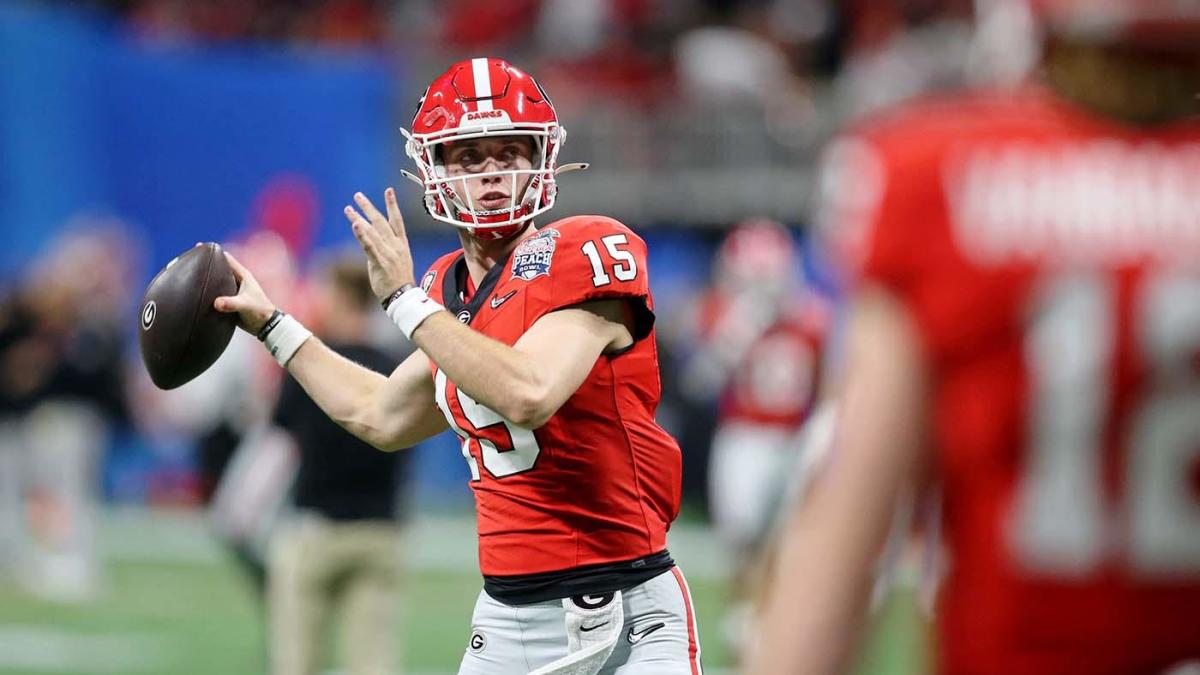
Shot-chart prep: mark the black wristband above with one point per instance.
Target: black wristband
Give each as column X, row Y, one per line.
column 386, row 302
column 276, row 317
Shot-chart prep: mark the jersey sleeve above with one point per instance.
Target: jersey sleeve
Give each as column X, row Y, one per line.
column 868, row 210
column 884, row 208
column 592, row 259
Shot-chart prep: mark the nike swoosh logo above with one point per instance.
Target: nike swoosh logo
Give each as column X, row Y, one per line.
column 635, row 638
column 588, row 629
column 496, row 302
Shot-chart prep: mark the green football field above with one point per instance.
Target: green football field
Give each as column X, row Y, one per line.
column 172, row 604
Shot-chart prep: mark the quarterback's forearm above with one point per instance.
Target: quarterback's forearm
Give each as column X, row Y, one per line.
column 388, row 412
column 393, row 412
column 494, row 374
column 342, row 388
column 528, row 382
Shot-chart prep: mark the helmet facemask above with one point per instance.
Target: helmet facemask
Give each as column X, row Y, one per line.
column 448, row 198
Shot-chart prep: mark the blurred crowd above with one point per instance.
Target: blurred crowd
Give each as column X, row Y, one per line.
column 698, row 112
column 640, row 52
column 63, row 348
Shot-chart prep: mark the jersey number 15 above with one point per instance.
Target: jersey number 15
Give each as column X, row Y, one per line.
column 504, row 448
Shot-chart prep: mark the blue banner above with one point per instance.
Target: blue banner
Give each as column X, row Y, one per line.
column 181, row 142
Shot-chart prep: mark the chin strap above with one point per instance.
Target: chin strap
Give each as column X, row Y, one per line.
column 413, row 177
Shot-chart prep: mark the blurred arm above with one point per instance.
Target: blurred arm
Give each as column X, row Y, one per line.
column 393, row 412
column 826, row 564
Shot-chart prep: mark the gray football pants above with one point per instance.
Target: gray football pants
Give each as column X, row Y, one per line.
column 658, row 635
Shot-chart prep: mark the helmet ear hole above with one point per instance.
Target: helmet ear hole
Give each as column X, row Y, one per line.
column 429, row 204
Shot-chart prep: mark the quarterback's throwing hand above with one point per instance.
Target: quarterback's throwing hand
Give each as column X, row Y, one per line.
column 252, row 305
column 389, row 261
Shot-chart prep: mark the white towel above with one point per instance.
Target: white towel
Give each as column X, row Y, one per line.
column 593, row 625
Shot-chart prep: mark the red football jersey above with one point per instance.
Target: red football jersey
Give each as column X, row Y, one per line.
column 776, row 382
column 1049, row 260
column 600, row 481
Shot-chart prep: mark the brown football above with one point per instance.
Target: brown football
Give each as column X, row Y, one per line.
column 181, row 334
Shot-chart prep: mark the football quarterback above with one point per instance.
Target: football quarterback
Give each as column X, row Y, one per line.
column 536, row 346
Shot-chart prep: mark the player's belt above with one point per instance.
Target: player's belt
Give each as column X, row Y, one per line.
column 526, row 589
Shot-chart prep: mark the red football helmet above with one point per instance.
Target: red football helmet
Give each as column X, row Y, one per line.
column 476, row 98
column 758, row 253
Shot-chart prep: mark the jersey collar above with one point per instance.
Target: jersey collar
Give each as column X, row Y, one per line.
column 455, row 288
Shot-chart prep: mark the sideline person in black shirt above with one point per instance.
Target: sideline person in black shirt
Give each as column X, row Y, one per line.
column 342, row 550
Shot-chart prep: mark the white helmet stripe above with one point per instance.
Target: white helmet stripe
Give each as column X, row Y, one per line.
column 483, row 84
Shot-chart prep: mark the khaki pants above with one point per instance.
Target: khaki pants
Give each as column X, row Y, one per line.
column 318, row 566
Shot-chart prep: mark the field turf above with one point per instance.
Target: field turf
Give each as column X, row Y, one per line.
column 172, row 604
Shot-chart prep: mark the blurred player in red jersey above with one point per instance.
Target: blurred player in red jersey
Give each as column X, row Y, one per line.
column 766, row 336
column 536, row 346
column 1026, row 329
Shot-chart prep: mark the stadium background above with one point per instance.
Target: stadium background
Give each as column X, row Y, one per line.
column 130, row 130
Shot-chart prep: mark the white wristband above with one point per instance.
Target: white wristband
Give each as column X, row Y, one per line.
column 285, row 339
column 411, row 308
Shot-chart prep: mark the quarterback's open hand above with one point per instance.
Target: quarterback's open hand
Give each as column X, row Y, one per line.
column 389, row 260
